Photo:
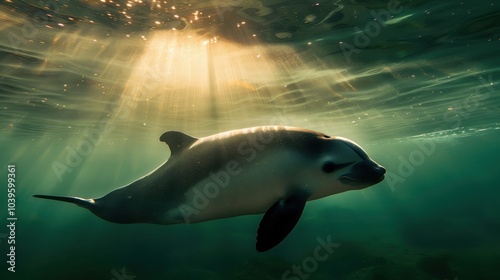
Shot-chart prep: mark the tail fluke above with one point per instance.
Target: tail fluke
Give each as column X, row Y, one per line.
column 82, row 202
column 98, row 207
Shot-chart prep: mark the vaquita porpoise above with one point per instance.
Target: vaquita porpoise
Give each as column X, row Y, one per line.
column 269, row 169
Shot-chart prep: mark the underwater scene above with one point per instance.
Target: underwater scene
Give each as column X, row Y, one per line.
column 253, row 139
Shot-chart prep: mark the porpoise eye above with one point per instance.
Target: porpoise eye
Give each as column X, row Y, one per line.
column 329, row 167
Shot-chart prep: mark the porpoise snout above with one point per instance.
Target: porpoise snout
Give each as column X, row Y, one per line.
column 365, row 171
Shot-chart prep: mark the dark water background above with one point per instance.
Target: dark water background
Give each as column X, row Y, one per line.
column 414, row 83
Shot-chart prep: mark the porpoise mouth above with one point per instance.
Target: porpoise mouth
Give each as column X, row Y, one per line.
column 345, row 179
column 365, row 172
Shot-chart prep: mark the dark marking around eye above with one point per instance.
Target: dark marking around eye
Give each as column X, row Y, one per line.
column 329, row 166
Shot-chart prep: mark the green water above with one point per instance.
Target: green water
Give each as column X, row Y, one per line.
column 87, row 88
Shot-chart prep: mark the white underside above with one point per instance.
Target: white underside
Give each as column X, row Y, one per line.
column 253, row 190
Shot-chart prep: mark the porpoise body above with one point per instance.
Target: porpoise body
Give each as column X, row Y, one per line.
column 270, row 169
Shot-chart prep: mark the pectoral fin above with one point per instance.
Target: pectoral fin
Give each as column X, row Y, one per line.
column 279, row 220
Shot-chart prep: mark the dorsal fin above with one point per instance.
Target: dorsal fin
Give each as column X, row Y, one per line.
column 177, row 141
